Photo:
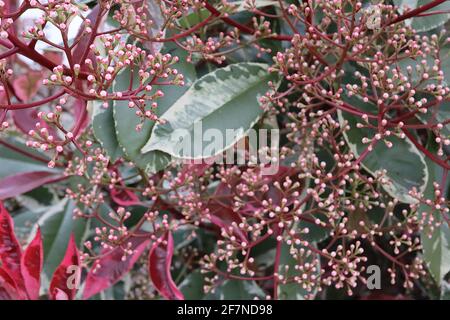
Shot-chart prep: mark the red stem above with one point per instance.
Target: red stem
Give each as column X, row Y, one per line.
column 276, row 267
column 19, row 106
column 32, row 54
column 241, row 27
column 23, row 152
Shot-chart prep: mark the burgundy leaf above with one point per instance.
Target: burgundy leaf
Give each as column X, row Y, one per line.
column 26, row 119
column 160, row 260
column 225, row 192
column 165, row 206
column 223, row 217
column 124, row 197
column 3, row 114
column 8, row 287
column 80, row 114
column 31, row 266
column 249, row 208
column 10, row 251
column 3, row 99
column 222, row 214
column 61, row 280
column 109, row 269
column 27, row 85
column 84, row 41
column 55, row 56
column 195, row 169
column 275, row 194
column 23, row 182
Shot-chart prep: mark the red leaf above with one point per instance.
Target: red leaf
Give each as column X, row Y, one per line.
column 10, row 251
column 26, row 119
column 124, row 197
column 160, row 259
column 195, row 169
column 26, row 85
column 8, row 287
column 80, row 114
column 223, row 217
column 84, row 41
column 55, row 56
column 31, row 266
column 23, row 182
column 275, row 194
column 61, row 280
column 112, row 267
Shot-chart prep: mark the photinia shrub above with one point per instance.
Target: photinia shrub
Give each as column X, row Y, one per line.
column 197, row 149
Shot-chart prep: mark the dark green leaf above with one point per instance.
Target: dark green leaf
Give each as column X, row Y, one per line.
column 126, row 120
column 57, row 224
column 104, row 131
column 293, row 290
column 404, row 164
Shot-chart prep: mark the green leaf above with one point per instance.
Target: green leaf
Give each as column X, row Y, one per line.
column 436, row 249
column 426, row 23
column 25, row 220
column 125, row 119
column 103, row 127
column 317, row 233
column 57, row 224
column 258, row 4
column 416, row 75
column 223, row 101
column 12, row 162
column 192, row 286
column 444, row 56
column 194, row 18
column 404, row 164
column 293, row 290
column 437, row 114
column 445, row 291
column 236, row 290
column 37, row 197
column 116, row 292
